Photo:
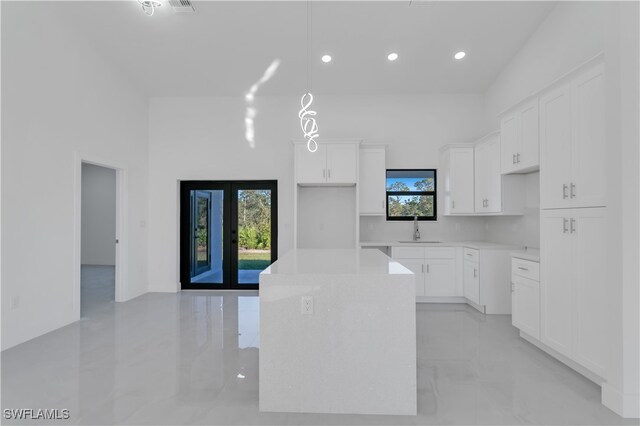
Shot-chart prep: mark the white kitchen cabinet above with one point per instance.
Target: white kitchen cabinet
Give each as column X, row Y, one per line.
column 330, row 164
column 471, row 281
column 572, row 142
column 573, row 284
column 440, row 277
column 434, row 268
column 457, row 176
column 520, row 142
column 372, row 181
column 525, row 296
column 488, row 178
column 486, row 279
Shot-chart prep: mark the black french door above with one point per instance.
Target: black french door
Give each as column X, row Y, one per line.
column 228, row 233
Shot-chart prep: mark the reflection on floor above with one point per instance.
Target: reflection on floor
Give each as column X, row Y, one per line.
column 192, row 358
column 245, row 276
column 98, row 287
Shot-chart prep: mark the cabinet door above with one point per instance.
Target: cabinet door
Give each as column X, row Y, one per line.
column 588, row 140
column 493, row 177
column 590, row 279
column 311, row 167
column 509, row 132
column 481, row 174
column 556, row 293
column 372, row 181
column 342, row 163
column 555, row 148
column 440, row 277
column 417, row 267
column 525, row 305
column 471, row 281
column 527, row 157
column 461, row 176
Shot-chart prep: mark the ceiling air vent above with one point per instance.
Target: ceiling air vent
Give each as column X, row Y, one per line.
column 182, row 6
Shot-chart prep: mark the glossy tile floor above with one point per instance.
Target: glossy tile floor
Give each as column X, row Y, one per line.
column 98, row 288
column 192, row 358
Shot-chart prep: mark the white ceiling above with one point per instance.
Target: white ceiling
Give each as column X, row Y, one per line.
column 226, row 46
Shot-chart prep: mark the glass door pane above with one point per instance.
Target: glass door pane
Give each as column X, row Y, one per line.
column 254, row 248
column 207, row 225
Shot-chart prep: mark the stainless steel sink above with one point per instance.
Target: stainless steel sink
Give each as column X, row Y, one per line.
column 420, row 242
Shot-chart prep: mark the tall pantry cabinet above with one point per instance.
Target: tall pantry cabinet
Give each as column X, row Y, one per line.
column 573, row 218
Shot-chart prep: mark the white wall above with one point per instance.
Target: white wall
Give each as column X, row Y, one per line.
column 203, row 138
column 59, row 97
column 98, row 215
column 573, row 33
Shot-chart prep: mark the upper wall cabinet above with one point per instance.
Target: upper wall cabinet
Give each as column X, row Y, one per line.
column 520, row 143
column 332, row 164
column 495, row 193
column 372, row 180
column 456, row 178
column 572, row 142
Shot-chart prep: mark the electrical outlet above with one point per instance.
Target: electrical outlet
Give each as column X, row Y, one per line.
column 307, row 305
column 14, row 302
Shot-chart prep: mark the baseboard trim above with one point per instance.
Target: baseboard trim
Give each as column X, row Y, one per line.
column 449, row 299
column 563, row 359
column 625, row 405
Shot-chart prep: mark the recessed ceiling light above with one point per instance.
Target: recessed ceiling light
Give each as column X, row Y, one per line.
column 392, row 56
column 326, row 59
column 460, row 55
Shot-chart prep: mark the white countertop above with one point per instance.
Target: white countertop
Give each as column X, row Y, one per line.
column 529, row 253
column 471, row 244
column 336, row 261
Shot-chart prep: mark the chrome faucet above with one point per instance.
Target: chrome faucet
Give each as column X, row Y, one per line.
column 416, row 229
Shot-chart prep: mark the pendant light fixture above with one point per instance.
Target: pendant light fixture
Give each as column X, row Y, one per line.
column 149, row 6
column 308, row 121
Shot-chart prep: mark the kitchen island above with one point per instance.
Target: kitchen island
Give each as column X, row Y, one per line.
column 338, row 334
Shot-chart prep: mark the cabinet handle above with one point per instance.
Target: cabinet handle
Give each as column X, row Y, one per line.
column 564, row 190
column 324, row 173
column 469, row 254
column 427, row 268
column 422, row 268
column 573, row 190
column 513, row 159
column 475, row 273
column 517, row 157
column 329, row 174
column 523, row 269
column 573, row 225
column 512, row 287
column 565, row 224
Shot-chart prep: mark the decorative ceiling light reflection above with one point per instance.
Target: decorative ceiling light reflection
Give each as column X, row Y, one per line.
column 149, row 6
column 308, row 123
column 251, row 112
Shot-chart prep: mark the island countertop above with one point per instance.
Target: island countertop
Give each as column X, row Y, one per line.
column 336, row 261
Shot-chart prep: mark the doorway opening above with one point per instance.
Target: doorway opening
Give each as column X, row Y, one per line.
column 98, row 238
column 228, row 233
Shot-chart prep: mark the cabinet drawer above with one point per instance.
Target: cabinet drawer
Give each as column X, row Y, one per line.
column 408, row 252
column 471, row 254
column 440, row 253
column 525, row 268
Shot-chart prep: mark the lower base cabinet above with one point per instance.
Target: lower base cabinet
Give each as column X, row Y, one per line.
column 440, row 277
column 434, row 269
column 525, row 296
column 471, row 281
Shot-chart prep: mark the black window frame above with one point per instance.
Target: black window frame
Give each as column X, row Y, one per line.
column 433, row 193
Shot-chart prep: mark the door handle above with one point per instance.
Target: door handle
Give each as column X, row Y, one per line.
column 234, row 241
column 573, row 225
column 565, row 224
column 572, row 192
column 564, row 190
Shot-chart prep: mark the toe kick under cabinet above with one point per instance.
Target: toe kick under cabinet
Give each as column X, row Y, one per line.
column 486, row 280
